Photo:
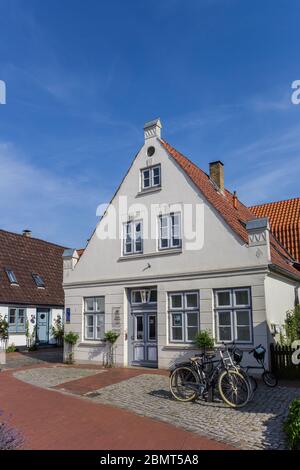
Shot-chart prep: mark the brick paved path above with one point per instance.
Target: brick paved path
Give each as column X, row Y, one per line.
column 52, row 420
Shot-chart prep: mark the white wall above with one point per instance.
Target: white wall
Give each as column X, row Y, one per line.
column 222, row 248
column 280, row 297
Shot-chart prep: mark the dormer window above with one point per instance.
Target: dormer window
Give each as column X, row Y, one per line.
column 151, row 177
column 38, row 280
column 11, row 276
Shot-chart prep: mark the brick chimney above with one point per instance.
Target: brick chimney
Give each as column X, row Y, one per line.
column 27, row 233
column 216, row 174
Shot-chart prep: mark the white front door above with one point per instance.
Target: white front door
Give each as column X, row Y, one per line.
column 42, row 326
column 144, row 338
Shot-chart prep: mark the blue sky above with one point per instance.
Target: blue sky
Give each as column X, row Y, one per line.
column 82, row 77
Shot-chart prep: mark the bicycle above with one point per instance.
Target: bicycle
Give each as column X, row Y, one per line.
column 268, row 377
column 199, row 377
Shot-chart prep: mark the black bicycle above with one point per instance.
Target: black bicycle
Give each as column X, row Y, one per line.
column 202, row 374
column 268, row 377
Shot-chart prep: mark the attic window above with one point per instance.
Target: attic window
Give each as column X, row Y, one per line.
column 38, row 280
column 11, row 276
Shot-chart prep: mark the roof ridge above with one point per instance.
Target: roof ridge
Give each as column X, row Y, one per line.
column 31, row 238
column 276, row 202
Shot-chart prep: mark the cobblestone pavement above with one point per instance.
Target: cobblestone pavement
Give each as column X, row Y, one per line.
column 256, row 426
column 50, row 377
column 22, row 359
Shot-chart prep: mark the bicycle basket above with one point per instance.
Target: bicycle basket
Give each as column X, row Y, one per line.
column 237, row 356
column 259, row 353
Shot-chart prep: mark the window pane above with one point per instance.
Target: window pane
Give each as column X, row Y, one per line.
column 192, row 319
column 89, row 323
column 136, row 297
column 140, row 327
column 156, row 176
column 224, row 318
column 177, row 334
column 128, row 247
column 99, row 304
column 176, row 301
column 177, row 319
column 242, row 317
column 192, row 300
column 138, row 246
column 225, row 333
column 164, row 243
column 99, row 326
column 146, row 178
column 152, row 327
column 89, row 304
column 243, row 333
column 21, row 319
column 191, row 333
column 153, row 296
column 12, row 316
column 241, row 297
column 223, row 298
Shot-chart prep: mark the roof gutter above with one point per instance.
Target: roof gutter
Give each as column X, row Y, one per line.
column 284, row 272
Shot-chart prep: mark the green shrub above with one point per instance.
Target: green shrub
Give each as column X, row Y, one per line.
column 204, row 340
column 3, row 328
column 111, row 336
column 11, row 348
column 292, row 324
column 57, row 330
column 292, row 425
column 71, row 338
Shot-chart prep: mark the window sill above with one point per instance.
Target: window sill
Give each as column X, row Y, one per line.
column 172, row 251
column 184, row 347
column 91, row 344
column 143, row 192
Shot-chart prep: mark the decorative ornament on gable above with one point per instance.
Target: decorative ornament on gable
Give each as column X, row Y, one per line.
column 152, row 129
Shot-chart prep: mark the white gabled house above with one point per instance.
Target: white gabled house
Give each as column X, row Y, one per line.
column 175, row 252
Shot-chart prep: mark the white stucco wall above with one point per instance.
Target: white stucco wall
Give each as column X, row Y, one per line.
column 280, row 297
column 101, row 259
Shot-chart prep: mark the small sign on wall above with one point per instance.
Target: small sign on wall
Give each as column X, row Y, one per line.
column 68, row 315
column 116, row 319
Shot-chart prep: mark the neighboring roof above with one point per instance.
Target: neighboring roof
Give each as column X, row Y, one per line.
column 25, row 256
column 284, row 217
column 223, row 203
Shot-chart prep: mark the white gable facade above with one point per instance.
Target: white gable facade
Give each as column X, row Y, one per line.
column 163, row 264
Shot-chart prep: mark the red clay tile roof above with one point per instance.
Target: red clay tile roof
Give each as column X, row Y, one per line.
column 24, row 256
column 223, row 203
column 284, row 218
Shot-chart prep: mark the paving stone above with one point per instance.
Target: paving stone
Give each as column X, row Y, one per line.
column 51, row 377
column 256, row 426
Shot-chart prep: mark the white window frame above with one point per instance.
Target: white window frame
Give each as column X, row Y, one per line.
column 151, row 177
column 148, row 296
column 184, row 311
column 95, row 314
column 170, row 232
column 247, row 309
column 233, row 309
column 225, row 310
column 15, row 327
column 133, row 224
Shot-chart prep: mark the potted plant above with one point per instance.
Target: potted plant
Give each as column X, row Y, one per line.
column 71, row 339
column 57, row 331
column 204, row 341
column 110, row 337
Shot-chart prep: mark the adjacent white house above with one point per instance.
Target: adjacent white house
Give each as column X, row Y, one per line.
column 174, row 253
column 31, row 294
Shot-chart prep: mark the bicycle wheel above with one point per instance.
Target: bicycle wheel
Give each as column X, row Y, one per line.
column 251, row 382
column 184, row 384
column 234, row 388
column 269, row 379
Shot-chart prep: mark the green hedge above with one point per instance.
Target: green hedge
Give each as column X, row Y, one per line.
column 292, row 425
